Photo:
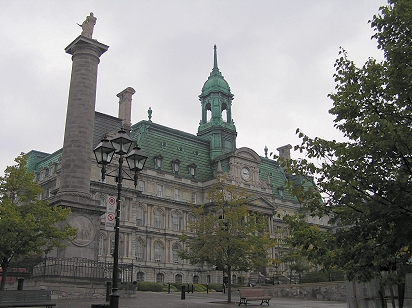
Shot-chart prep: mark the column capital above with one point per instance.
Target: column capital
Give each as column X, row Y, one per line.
column 82, row 41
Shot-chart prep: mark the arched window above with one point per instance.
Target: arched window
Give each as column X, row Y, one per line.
column 139, row 216
column 139, row 250
column 208, row 279
column 195, row 279
column 140, row 276
column 160, row 277
column 175, row 221
column 175, row 252
column 178, row 278
column 158, row 251
column 158, row 223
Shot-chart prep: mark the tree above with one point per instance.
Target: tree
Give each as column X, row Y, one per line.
column 365, row 181
column 226, row 234
column 28, row 225
column 306, row 240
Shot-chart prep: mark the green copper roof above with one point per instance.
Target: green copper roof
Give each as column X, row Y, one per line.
column 271, row 168
column 216, row 82
column 37, row 160
column 173, row 145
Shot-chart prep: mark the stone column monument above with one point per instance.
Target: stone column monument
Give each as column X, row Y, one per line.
column 77, row 155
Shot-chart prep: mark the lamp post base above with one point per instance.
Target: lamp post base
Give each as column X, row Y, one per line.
column 114, row 299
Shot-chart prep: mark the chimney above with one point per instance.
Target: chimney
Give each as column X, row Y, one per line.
column 284, row 152
column 125, row 107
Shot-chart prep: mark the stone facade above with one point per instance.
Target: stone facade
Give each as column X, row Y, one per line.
column 180, row 169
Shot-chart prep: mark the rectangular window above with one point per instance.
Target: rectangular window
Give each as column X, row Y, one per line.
column 177, row 194
column 194, row 198
column 158, row 163
column 139, row 216
column 160, row 190
column 141, row 186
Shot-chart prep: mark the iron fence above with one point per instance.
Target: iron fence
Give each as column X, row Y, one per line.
column 82, row 269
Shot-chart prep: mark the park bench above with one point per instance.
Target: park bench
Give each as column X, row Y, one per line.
column 252, row 294
column 26, row 298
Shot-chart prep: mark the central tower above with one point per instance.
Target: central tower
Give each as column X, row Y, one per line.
column 217, row 124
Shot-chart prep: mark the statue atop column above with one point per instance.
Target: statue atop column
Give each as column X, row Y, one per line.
column 88, row 26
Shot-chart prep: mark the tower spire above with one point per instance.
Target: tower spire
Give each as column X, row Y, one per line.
column 215, row 59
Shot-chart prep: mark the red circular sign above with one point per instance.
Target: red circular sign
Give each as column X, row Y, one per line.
column 111, row 200
column 110, row 217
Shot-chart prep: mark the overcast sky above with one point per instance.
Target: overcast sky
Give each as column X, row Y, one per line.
column 277, row 56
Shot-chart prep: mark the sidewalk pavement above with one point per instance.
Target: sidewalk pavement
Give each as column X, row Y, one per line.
column 173, row 300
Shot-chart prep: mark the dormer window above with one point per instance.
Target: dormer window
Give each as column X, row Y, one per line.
column 176, row 166
column 158, row 162
column 281, row 191
column 192, row 169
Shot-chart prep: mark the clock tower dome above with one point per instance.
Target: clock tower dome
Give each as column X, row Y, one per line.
column 217, row 124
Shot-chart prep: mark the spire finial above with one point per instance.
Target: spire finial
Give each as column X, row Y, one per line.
column 215, row 58
column 149, row 114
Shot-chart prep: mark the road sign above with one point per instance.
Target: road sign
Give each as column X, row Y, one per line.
column 110, row 214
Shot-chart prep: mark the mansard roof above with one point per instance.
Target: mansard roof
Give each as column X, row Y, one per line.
column 271, row 169
column 171, row 144
column 37, row 160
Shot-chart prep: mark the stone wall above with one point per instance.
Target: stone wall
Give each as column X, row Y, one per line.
column 326, row 291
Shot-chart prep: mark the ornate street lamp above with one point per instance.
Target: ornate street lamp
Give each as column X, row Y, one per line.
column 120, row 145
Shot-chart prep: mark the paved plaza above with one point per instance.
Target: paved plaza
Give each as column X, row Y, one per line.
column 173, row 300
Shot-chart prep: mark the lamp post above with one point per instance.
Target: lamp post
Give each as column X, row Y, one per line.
column 104, row 152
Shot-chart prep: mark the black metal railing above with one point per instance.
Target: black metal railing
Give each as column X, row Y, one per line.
column 78, row 269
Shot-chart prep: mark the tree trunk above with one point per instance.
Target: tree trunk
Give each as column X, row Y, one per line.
column 392, row 296
column 229, row 286
column 4, row 266
column 401, row 294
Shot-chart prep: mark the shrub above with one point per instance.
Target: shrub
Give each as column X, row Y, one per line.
column 199, row 287
column 128, row 286
column 149, row 286
column 218, row 287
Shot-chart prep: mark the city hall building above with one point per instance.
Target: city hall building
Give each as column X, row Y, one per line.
column 180, row 168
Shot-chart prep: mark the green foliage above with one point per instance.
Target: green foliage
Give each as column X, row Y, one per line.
column 365, row 181
column 199, row 287
column 218, row 287
column 321, row 276
column 309, row 243
column 149, row 286
column 226, row 233
column 128, row 286
column 29, row 227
